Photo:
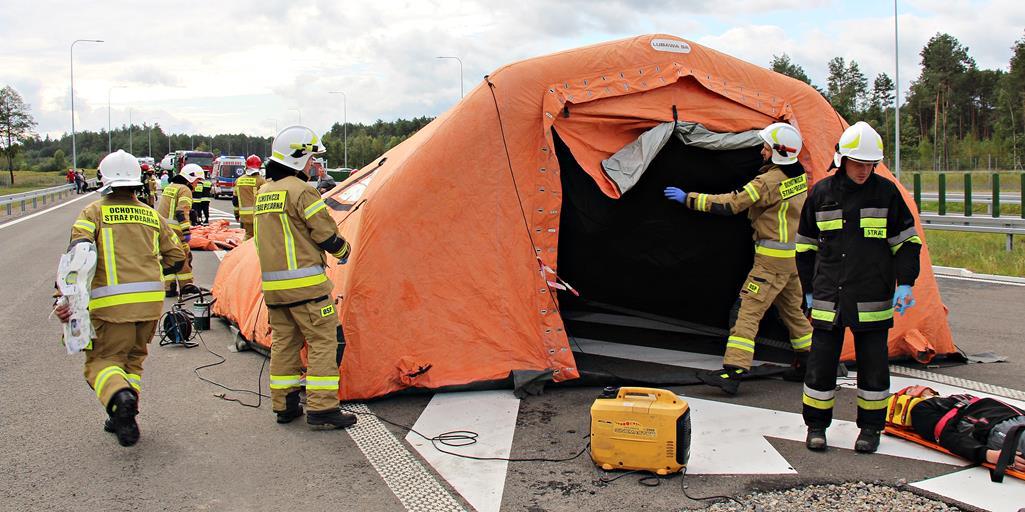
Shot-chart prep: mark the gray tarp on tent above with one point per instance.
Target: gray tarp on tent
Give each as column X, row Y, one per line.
column 626, row 167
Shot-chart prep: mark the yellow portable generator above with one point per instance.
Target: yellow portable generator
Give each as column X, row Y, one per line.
column 644, row 429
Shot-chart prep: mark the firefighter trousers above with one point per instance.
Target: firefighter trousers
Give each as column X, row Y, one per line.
column 184, row 276
column 317, row 324
column 873, row 377
column 764, row 287
column 115, row 360
column 247, row 224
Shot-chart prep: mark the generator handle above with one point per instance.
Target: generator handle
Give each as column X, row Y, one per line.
column 654, row 394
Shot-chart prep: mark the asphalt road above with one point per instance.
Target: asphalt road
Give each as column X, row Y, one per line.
column 199, row 452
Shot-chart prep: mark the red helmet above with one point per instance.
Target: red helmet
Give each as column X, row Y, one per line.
column 253, row 162
column 145, row 167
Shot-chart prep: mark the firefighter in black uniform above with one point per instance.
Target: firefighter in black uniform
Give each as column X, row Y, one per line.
column 856, row 240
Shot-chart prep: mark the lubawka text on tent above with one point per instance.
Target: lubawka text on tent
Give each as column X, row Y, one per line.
column 550, row 172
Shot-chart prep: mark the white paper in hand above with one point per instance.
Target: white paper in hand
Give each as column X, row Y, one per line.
column 74, row 279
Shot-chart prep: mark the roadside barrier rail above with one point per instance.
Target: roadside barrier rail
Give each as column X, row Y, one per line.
column 26, row 201
column 967, row 219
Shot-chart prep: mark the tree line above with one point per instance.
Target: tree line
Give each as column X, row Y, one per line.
column 956, row 116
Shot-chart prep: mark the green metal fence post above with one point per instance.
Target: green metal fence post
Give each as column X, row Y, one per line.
column 996, row 194
column 918, row 189
column 943, row 193
column 968, row 194
column 1022, row 191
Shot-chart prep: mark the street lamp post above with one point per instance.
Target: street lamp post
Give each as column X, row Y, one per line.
column 74, row 148
column 300, row 114
column 896, row 87
column 345, row 126
column 109, row 148
column 460, row 73
column 275, row 124
column 130, row 148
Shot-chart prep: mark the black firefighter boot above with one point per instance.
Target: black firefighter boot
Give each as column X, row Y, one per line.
column 726, row 379
column 868, row 441
column 123, row 407
column 816, row 440
column 171, row 291
column 797, row 368
column 329, row 419
column 292, row 408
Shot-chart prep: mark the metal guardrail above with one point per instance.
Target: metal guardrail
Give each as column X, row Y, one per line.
column 995, row 222
column 26, row 201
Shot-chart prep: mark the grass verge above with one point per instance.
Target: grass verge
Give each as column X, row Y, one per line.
column 979, row 252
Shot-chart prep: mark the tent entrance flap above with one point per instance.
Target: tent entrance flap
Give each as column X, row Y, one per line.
column 626, row 167
column 646, row 253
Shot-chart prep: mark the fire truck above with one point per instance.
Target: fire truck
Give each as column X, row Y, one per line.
column 204, row 159
column 225, row 171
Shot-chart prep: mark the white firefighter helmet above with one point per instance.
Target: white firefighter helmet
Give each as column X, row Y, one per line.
column 119, row 169
column 859, row 142
column 294, row 146
column 191, row 173
column 784, row 140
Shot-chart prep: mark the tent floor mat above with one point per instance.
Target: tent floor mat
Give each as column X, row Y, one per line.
column 915, row 438
column 595, row 370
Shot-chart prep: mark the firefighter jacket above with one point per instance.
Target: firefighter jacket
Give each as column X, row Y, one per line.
column 175, row 206
column 134, row 249
column 293, row 232
column 246, row 188
column 773, row 203
column 853, row 244
column 151, row 186
column 203, row 190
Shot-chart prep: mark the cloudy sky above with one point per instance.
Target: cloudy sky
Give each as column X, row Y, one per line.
column 242, row 66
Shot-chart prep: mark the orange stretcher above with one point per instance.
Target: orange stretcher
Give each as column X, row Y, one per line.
column 216, row 236
column 912, row 436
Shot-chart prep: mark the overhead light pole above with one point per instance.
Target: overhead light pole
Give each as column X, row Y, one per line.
column 896, row 96
column 300, row 114
column 461, row 72
column 74, row 148
column 109, row 148
column 345, row 126
column 130, row 148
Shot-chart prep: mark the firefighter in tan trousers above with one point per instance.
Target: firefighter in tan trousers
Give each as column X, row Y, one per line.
column 244, row 199
column 293, row 234
column 133, row 245
column 773, row 201
column 151, row 188
column 175, row 207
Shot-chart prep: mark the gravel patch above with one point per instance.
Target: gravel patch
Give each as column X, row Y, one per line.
column 853, row 496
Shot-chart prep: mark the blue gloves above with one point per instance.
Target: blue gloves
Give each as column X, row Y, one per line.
column 675, row 194
column 343, row 261
column 807, row 299
column 187, row 238
column 902, row 299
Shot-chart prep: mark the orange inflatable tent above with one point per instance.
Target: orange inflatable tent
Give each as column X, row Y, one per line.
column 464, row 234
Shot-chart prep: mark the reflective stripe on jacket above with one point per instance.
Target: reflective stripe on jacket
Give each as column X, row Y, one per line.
column 176, row 203
column 246, row 188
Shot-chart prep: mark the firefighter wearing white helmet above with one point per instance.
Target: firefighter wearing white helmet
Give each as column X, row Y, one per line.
column 294, row 233
column 773, row 202
column 858, row 257
column 133, row 245
column 175, row 206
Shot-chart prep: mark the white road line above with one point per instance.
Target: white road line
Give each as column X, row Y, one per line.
column 973, row 487
column 492, row 414
column 48, row 210
column 414, row 486
column 961, row 383
column 978, row 280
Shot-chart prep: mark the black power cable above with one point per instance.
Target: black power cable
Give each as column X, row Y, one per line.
column 259, row 379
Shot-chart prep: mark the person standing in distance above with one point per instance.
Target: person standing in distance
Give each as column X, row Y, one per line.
column 293, row 233
column 857, row 240
column 244, row 198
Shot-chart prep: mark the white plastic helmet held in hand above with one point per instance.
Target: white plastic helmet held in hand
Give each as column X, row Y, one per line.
column 294, row 146
column 784, row 140
column 191, row 173
column 859, row 142
column 120, row 169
